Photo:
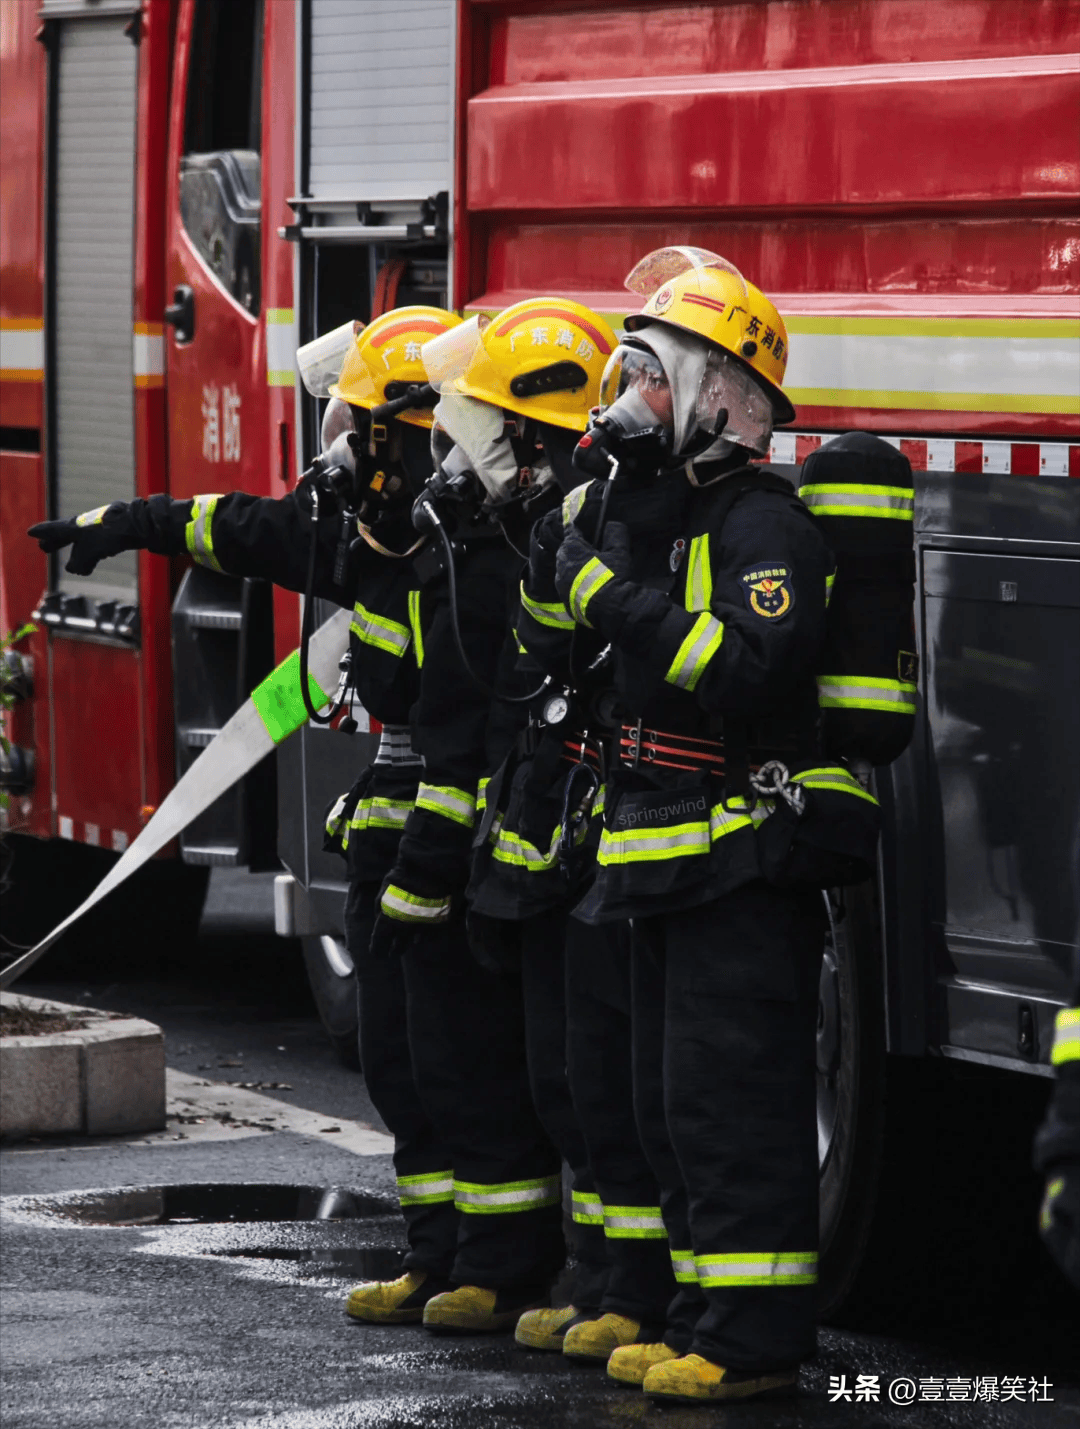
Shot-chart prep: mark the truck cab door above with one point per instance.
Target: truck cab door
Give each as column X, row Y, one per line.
column 222, row 626
column 216, row 364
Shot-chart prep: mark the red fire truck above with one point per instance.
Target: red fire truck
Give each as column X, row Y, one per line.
column 190, row 188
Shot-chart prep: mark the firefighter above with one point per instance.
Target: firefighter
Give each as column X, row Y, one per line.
column 512, row 410
column 441, row 1038
column 709, row 584
column 534, row 856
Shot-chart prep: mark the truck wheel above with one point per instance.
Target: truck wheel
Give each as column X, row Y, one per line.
column 850, row 1090
column 332, row 978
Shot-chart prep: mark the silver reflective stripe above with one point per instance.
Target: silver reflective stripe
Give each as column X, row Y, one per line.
column 865, row 692
column 897, row 502
column 634, row 1223
column 380, row 631
column 699, row 575
column 410, row 908
column 379, row 813
column 445, row 799
column 573, row 502
column 395, row 746
column 794, row 1267
column 591, row 578
column 199, row 532
column 556, row 616
column 513, row 849
column 587, row 1208
column 835, row 778
column 682, row 1263
column 333, row 818
column 672, row 842
column 427, row 1189
column 477, row 1198
column 701, row 644
column 92, row 518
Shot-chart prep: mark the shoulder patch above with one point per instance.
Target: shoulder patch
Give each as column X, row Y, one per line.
column 767, row 589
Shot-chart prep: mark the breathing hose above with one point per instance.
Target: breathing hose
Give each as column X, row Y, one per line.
column 451, row 575
column 307, row 625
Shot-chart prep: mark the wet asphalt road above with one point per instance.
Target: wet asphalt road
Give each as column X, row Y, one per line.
column 241, row 1325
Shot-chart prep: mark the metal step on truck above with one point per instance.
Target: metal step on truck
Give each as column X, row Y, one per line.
column 191, row 189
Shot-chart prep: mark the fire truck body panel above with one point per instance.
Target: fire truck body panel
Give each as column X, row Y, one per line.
column 903, row 179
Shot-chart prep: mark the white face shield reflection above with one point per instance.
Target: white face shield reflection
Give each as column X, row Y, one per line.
column 727, row 384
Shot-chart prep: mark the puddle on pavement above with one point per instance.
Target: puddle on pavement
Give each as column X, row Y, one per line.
column 357, row 1263
column 207, row 1204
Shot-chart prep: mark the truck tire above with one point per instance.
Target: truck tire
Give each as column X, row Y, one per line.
column 332, row 979
column 850, row 1090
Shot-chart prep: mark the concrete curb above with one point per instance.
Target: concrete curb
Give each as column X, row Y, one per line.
column 102, row 1079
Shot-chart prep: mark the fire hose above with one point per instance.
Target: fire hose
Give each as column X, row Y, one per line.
column 273, row 711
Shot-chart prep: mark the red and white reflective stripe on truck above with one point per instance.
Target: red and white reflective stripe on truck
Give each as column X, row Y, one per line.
column 950, row 454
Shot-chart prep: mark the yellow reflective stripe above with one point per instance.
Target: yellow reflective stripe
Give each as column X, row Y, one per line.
column 333, row 818
column 427, row 1189
column 1066, row 1036
column 481, row 793
column 586, row 1208
column 445, row 799
column 833, row 777
column 93, row 518
column 1054, row 1189
column 682, row 1263
column 864, row 692
column 896, row 502
column 573, row 502
column 702, row 642
column 699, row 575
column 414, row 625
column 554, row 615
column 679, row 840
column 593, row 576
column 380, row 631
column 379, row 813
column 410, row 908
column 199, row 532
column 783, row 1267
column 634, row 1223
column 499, row 1198
column 830, row 581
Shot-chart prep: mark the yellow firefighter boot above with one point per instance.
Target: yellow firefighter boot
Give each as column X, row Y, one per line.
column 545, row 1329
column 595, row 1339
column 694, row 1380
column 631, row 1363
column 392, row 1302
column 472, row 1309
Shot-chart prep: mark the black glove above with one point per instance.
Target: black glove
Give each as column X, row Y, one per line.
column 93, row 536
column 576, row 552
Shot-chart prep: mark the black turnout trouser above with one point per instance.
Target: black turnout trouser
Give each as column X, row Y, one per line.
column 639, row 1283
column 576, row 991
column 724, row 1006
column 442, row 1046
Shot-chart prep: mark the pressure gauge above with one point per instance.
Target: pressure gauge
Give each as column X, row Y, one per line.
column 556, row 709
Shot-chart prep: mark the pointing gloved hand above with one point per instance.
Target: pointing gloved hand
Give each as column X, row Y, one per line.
column 105, row 531
column 582, row 571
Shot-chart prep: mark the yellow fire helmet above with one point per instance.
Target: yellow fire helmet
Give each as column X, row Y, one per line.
column 542, row 358
column 697, row 290
column 384, row 361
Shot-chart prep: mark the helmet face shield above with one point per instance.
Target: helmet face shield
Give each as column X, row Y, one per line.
column 447, row 356
column 727, row 384
column 320, row 361
column 637, row 370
